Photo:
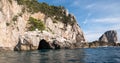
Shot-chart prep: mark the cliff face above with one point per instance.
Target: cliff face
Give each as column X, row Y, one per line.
column 109, row 36
column 9, row 29
column 15, row 24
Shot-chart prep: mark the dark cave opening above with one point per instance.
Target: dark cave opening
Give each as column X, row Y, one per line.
column 43, row 44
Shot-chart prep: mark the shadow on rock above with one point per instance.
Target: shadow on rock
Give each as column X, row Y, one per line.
column 43, row 44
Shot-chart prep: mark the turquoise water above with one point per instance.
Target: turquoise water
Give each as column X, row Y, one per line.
column 89, row 55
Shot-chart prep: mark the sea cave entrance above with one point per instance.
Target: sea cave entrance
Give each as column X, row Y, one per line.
column 43, row 44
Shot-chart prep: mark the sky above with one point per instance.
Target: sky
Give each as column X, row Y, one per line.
column 94, row 16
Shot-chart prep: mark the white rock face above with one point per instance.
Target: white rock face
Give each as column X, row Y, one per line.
column 9, row 34
column 13, row 31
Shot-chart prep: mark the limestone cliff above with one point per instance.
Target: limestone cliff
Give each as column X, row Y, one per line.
column 18, row 32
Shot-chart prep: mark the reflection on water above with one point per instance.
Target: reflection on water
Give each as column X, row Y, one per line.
column 61, row 56
column 102, row 55
column 89, row 55
column 43, row 56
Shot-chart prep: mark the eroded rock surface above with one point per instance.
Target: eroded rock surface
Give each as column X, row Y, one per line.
column 109, row 36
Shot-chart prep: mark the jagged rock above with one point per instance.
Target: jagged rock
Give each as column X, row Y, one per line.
column 84, row 45
column 109, row 36
column 24, row 44
column 64, row 11
column 56, row 44
column 29, row 41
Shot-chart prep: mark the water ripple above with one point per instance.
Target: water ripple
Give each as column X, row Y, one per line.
column 88, row 55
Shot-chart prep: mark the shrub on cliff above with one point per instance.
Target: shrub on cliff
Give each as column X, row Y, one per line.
column 34, row 6
column 36, row 24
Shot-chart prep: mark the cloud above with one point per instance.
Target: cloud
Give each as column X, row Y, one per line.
column 86, row 19
column 85, row 22
column 104, row 9
column 75, row 3
column 106, row 20
column 92, row 35
column 104, row 6
column 114, row 27
column 90, row 6
column 105, row 16
column 58, row 1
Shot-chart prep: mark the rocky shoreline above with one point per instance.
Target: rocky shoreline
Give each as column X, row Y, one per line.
column 54, row 43
column 24, row 26
column 109, row 38
column 37, row 41
column 96, row 44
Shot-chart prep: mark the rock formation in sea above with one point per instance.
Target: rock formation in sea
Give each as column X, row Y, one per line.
column 30, row 25
column 109, row 36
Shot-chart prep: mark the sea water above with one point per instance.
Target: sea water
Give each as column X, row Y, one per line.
column 87, row 55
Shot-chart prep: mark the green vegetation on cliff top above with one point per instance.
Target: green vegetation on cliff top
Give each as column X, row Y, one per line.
column 36, row 24
column 34, row 6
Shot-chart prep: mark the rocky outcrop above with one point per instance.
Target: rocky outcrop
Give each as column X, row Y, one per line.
column 96, row 44
column 34, row 40
column 14, row 33
column 109, row 36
